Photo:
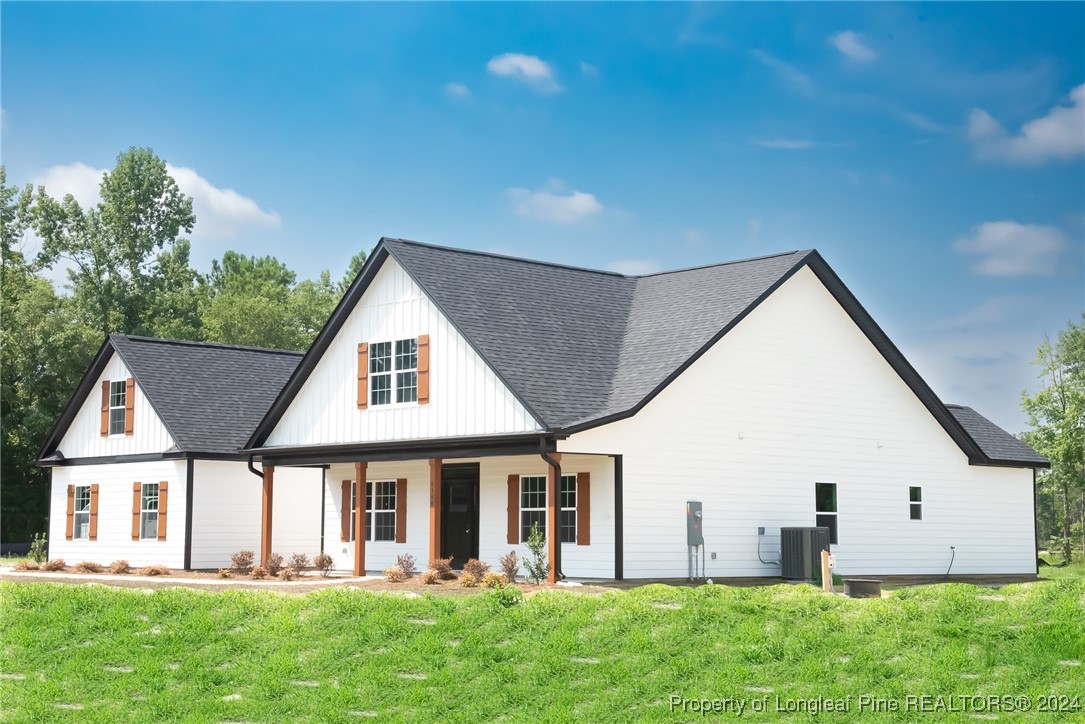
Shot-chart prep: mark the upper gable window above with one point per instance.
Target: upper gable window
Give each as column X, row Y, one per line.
column 393, row 376
column 117, row 400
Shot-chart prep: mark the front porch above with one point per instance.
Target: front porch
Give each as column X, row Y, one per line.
column 479, row 506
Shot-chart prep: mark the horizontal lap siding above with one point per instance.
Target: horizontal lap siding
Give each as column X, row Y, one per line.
column 795, row 394
column 114, row 540
column 83, row 438
column 227, row 509
column 466, row 397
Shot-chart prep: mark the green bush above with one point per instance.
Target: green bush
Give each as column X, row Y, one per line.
column 537, row 564
column 39, row 548
column 505, row 597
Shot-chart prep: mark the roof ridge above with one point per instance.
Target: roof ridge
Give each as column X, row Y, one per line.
column 216, row 345
column 508, row 257
column 725, row 263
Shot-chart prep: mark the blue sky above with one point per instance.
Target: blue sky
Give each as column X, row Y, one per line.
column 932, row 153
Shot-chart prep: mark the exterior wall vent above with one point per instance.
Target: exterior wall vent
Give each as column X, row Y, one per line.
column 800, row 552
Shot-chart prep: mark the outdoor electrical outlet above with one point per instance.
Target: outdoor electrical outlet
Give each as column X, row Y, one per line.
column 760, row 530
column 713, row 555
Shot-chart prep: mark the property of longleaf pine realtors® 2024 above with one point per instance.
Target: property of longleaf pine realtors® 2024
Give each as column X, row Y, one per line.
column 917, row 703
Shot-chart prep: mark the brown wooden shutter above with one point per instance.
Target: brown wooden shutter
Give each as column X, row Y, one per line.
column 163, row 508
column 344, row 513
column 94, row 511
column 514, row 510
column 583, row 509
column 105, row 408
column 69, row 527
column 401, row 510
column 129, row 406
column 136, row 488
column 363, row 375
column 423, row 369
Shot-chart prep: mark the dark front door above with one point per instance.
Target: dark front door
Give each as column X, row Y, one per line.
column 459, row 512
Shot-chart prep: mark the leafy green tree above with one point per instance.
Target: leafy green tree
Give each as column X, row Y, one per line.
column 247, row 302
column 114, row 247
column 1057, row 418
column 311, row 303
column 353, row 267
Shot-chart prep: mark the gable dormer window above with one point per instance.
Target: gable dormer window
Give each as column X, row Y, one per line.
column 393, row 376
column 117, row 404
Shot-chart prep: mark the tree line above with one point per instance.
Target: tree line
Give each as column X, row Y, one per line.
column 128, row 271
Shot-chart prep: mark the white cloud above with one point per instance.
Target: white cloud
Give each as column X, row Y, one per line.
column 634, row 267
column 220, row 213
column 554, row 205
column 787, row 144
column 589, row 70
column 458, row 91
column 792, row 75
column 528, row 69
column 851, row 44
column 1058, row 135
column 1007, row 248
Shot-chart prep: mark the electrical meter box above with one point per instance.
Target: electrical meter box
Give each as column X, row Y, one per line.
column 694, row 529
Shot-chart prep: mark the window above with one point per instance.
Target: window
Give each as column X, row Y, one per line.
column 533, row 506
column 81, row 522
column 398, row 372
column 380, row 524
column 825, row 508
column 915, row 498
column 148, row 511
column 117, row 399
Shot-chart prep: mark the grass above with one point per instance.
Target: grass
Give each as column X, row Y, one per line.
column 1074, row 571
column 335, row 655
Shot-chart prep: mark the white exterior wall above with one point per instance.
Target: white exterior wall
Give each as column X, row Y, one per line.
column 83, row 438
column 466, row 397
column 114, row 541
column 591, row 561
column 796, row 394
column 226, row 500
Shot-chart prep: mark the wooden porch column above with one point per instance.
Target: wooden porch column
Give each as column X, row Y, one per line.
column 553, row 524
column 359, row 519
column 265, row 514
column 434, row 508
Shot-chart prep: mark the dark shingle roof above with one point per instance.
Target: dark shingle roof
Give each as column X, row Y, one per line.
column 996, row 443
column 209, row 396
column 577, row 344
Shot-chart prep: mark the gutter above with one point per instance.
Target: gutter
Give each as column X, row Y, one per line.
column 557, row 477
column 252, row 468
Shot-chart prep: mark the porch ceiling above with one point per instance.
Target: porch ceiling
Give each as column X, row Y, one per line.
column 457, row 447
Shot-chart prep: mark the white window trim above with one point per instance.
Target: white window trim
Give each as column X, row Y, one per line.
column 370, row 513
column 76, row 513
column 144, row 510
column 546, row 500
column 122, row 406
column 393, row 375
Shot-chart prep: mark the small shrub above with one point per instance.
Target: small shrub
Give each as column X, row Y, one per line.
column 39, row 548
column 429, row 577
column 324, row 564
column 288, row 574
column 258, row 573
column 299, row 562
column 510, row 565
column 153, row 571
column 120, row 567
column 476, row 568
column 89, row 567
column 225, row 573
column 57, row 564
column 242, row 561
column 493, row 579
column 27, row 566
column 394, row 574
column 505, row 597
column 405, row 561
column 273, row 564
column 467, row 580
column 537, row 564
column 443, row 566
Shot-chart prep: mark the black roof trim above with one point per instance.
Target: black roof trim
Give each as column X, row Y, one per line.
column 445, row 447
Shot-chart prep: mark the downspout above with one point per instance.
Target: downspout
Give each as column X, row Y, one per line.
column 252, row 468
column 557, row 476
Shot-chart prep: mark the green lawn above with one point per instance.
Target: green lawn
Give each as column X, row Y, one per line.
column 336, row 655
column 1074, row 571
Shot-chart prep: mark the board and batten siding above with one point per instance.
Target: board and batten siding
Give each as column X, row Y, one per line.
column 114, row 541
column 796, row 394
column 226, row 505
column 84, row 439
column 590, row 561
column 466, row 397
